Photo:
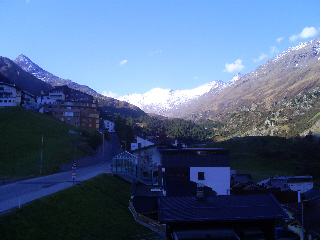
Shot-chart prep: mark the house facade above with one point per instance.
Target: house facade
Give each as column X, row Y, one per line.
column 150, row 155
column 71, row 106
column 28, row 101
column 205, row 166
column 140, row 143
column 10, row 95
column 109, row 126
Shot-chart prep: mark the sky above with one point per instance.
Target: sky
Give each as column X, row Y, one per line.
column 124, row 47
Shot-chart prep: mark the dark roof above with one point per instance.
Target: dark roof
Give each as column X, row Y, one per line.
column 311, row 214
column 242, row 178
column 220, row 208
column 312, row 193
column 143, row 204
column 146, row 190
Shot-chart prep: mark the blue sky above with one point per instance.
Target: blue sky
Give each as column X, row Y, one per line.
column 123, row 47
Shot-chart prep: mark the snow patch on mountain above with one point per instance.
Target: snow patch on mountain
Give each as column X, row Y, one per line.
column 159, row 100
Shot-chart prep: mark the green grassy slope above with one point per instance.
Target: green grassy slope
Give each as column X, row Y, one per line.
column 20, row 143
column 94, row 209
column 264, row 157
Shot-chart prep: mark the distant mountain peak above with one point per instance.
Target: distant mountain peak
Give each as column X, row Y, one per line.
column 159, row 100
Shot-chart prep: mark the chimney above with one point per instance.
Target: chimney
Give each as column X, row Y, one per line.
column 200, row 191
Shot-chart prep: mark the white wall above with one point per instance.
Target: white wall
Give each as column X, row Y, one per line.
column 217, row 178
column 10, row 100
column 143, row 142
column 301, row 186
column 109, row 125
column 156, row 156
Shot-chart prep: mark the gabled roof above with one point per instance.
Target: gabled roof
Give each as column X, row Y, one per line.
column 125, row 154
column 10, row 85
column 220, row 208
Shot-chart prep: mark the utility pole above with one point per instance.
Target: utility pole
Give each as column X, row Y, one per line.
column 41, row 154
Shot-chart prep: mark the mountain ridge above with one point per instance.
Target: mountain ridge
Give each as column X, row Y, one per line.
column 276, row 71
column 160, row 101
column 28, row 76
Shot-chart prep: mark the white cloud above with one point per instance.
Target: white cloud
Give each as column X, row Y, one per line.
column 273, row 50
column 261, row 57
column 236, row 66
column 293, row 38
column 110, row 94
column 123, row 62
column 306, row 33
column 156, row 52
column 195, row 78
column 280, row 39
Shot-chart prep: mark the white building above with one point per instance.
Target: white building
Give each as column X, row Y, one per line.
column 28, row 101
column 109, row 126
column 140, row 143
column 150, row 153
column 293, row 183
column 206, row 166
column 10, row 95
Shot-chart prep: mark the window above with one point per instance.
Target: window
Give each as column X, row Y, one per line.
column 200, row 175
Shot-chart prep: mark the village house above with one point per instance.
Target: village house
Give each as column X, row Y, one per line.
column 190, row 195
column 29, row 101
column 294, row 183
column 71, row 106
column 140, row 143
column 11, row 96
column 205, row 166
column 109, row 126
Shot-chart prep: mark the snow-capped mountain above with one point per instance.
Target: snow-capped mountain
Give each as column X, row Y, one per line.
column 27, row 65
column 159, row 100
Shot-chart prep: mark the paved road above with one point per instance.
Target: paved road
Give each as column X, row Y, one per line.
column 19, row 193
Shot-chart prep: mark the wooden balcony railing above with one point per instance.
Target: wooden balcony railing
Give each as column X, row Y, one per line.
column 153, row 225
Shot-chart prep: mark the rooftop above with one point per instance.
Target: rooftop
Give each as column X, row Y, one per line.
column 220, row 208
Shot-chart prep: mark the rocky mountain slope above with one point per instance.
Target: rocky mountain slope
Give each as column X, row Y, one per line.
column 27, row 65
column 279, row 98
column 14, row 74
column 291, row 73
column 31, row 78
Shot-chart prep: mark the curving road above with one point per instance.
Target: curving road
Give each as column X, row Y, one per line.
column 18, row 193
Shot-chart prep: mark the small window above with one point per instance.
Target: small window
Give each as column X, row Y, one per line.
column 200, row 175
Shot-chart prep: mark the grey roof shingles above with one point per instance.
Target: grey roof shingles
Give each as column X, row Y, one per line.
column 220, row 208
